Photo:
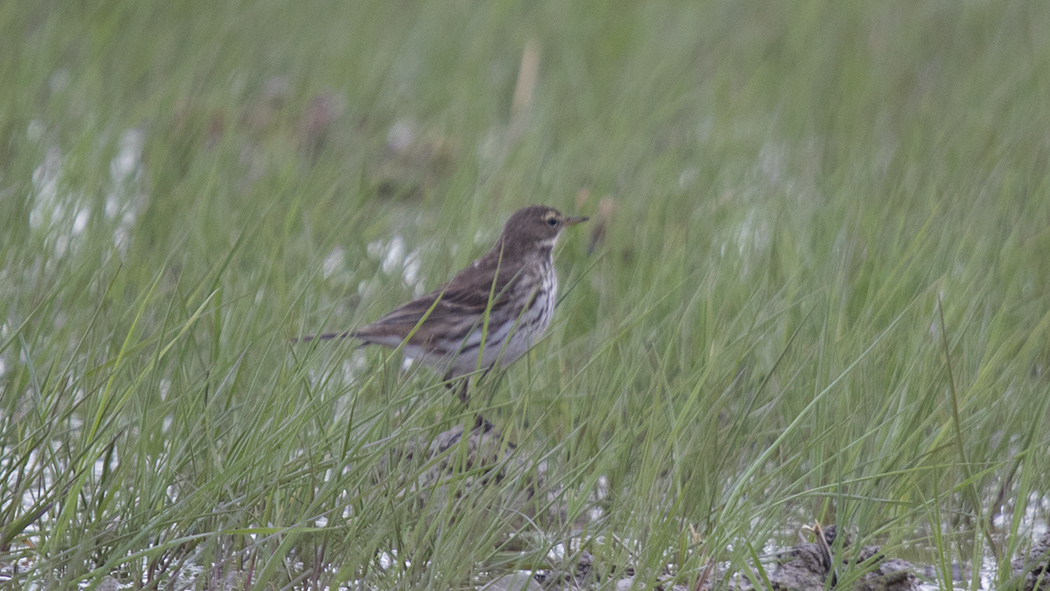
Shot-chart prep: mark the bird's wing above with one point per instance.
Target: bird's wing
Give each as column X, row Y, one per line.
column 450, row 311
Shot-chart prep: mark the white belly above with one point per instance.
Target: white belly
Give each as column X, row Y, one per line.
column 505, row 342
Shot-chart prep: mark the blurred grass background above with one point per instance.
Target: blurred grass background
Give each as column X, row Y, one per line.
column 822, row 292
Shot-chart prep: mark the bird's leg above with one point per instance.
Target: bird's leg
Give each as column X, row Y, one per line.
column 459, row 385
column 479, row 421
column 461, row 391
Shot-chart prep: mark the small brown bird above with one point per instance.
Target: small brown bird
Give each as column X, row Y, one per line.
column 514, row 285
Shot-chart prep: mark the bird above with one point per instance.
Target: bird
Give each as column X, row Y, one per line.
column 490, row 313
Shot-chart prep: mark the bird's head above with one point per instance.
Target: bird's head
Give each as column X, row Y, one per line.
column 535, row 227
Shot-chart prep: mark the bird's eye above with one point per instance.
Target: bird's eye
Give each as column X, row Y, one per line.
column 552, row 221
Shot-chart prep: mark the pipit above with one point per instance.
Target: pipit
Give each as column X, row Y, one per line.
column 490, row 313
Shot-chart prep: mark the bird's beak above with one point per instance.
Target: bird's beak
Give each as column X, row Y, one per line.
column 573, row 220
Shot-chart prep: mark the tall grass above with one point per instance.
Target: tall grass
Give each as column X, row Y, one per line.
column 822, row 294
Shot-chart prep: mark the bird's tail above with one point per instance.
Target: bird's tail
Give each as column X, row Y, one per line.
column 328, row 336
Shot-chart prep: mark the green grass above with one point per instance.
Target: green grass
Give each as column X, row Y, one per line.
column 824, row 292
